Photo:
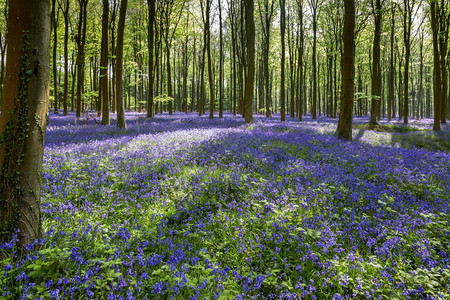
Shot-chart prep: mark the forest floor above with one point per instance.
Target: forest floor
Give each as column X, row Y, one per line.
column 184, row 207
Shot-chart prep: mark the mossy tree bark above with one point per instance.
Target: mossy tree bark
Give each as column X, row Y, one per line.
column 23, row 119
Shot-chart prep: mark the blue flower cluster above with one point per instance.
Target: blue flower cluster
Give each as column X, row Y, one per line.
column 183, row 207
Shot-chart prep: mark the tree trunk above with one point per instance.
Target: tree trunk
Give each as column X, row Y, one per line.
column 119, row 69
column 208, row 49
column 250, row 78
column 437, row 68
column 23, row 119
column 54, row 18
column 314, row 4
column 283, row 58
column 221, row 62
column 391, row 99
column 66, row 56
column 81, row 41
column 407, row 20
column 150, row 46
column 104, row 80
column 348, row 73
column 376, row 94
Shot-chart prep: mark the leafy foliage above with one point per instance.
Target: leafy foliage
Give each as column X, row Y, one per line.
column 186, row 207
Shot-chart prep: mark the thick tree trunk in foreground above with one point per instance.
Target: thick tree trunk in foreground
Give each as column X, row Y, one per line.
column 23, row 119
column 104, row 80
column 119, row 68
column 348, row 73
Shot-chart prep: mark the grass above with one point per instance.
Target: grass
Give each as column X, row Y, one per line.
column 182, row 208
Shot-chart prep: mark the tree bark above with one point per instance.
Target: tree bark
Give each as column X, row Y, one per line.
column 221, row 62
column 208, row 50
column 250, row 78
column 104, row 80
column 54, row 18
column 81, row 41
column 23, row 119
column 348, row 73
column 437, row 68
column 119, row 67
column 283, row 58
column 376, row 93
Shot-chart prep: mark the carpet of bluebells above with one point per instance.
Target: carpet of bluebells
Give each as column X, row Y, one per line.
column 183, row 207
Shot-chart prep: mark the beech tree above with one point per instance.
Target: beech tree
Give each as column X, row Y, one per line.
column 344, row 129
column 250, row 78
column 104, row 64
column 23, row 119
column 119, row 67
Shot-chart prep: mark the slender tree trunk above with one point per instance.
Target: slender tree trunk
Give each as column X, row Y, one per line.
column 437, row 68
column 151, row 45
column 119, row 69
column 420, row 96
column 221, row 62
column 104, row 80
column 81, row 41
column 407, row 20
column 376, row 65
column 250, row 78
column 283, row 58
column 348, row 73
column 66, row 56
column 208, row 49
column 55, row 12
column 3, row 43
column 23, row 119
column 300, row 60
column 314, row 6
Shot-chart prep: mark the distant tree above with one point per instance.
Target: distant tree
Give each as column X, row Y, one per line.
column 54, row 25
column 81, row 43
column 65, row 7
column 119, row 67
column 344, row 129
column 376, row 73
column 391, row 99
column 408, row 12
column 221, row 61
column 266, row 12
column 151, row 46
column 283, row 58
column 314, row 4
column 23, row 119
